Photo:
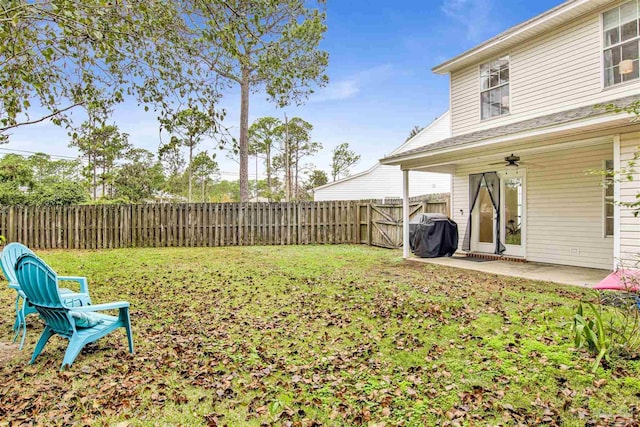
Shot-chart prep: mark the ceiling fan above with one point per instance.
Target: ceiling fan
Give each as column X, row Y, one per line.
column 512, row 161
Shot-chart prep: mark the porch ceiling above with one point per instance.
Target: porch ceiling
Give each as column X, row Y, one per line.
column 583, row 123
column 447, row 162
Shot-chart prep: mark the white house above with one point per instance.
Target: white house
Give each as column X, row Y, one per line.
column 528, row 130
column 380, row 181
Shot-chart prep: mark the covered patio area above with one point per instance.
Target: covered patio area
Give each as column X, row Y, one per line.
column 563, row 274
column 540, row 190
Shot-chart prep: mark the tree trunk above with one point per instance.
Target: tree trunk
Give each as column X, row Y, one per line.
column 103, row 180
column 92, row 147
column 203, row 181
column 190, row 168
column 256, row 181
column 268, row 152
column 94, row 184
column 111, row 177
column 295, row 184
column 244, row 136
column 287, row 166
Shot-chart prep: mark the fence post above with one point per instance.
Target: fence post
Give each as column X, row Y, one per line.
column 369, row 223
column 11, row 234
column 358, row 225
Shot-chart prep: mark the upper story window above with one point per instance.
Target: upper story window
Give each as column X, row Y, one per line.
column 621, row 39
column 494, row 88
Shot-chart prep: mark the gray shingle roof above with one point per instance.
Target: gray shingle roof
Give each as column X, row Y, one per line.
column 554, row 119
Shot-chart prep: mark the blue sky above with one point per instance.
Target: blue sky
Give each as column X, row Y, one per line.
column 381, row 84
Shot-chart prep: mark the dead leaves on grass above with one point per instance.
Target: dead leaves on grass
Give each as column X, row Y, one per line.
column 277, row 343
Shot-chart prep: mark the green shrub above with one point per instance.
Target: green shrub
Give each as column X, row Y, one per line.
column 610, row 333
column 592, row 333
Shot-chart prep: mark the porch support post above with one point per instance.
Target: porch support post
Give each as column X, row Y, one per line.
column 616, row 206
column 405, row 214
column 451, row 196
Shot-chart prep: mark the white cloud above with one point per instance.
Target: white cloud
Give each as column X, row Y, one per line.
column 337, row 91
column 350, row 87
column 475, row 16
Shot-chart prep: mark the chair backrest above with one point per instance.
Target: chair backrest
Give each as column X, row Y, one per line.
column 8, row 259
column 40, row 284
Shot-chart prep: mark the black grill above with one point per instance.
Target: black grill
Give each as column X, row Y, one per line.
column 433, row 235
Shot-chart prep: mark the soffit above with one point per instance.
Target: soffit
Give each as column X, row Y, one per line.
column 564, row 123
column 521, row 33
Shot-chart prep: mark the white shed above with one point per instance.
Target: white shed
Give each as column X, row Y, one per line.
column 381, row 181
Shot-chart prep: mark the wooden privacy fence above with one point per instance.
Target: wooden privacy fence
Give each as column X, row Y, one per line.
column 208, row 224
column 382, row 222
column 194, row 224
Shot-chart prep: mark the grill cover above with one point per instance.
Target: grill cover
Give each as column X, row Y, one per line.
column 433, row 235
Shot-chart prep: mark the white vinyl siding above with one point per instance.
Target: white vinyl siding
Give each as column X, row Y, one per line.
column 384, row 182
column 564, row 206
column 629, row 225
column 438, row 130
column 381, row 181
column 557, row 71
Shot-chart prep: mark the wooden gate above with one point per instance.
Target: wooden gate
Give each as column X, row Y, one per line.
column 381, row 223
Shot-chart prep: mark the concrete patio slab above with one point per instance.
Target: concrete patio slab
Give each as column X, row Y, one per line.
column 563, row 274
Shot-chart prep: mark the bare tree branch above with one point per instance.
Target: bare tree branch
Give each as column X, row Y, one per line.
column 41, row 119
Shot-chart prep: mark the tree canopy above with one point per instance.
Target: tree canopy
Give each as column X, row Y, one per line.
column 57, row 55
column 414, row 131
column 139, row 178
column 296, row 146
column 188, row 128
column 102, row 145
column 270, row 45
column 206, row 170
column 40, row 180
column 317, row 178
column 265, row 134
column 342, row 160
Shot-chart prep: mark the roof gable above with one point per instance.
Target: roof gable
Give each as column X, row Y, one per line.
column 438, row 129
column 348, row 178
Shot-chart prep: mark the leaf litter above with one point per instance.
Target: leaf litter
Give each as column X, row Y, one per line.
column 313, row 336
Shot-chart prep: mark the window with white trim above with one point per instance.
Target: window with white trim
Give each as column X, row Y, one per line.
column 608, row 198
column 621, row 42
column 494, row 88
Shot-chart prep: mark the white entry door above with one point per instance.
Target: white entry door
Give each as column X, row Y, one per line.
column 484, row 222
column 512, row 205
column 512, row 216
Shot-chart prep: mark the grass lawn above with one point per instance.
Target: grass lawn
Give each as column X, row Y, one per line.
column 316, row 335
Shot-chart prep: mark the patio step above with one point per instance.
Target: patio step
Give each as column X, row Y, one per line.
column 496, row 257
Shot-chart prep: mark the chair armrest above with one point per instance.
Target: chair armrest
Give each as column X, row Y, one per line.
column 14, row 286
column 100, row 307
column 84, row 284
column 73, row 299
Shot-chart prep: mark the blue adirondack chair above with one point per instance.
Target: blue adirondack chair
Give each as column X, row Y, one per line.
column 80, row 325
column 8, row 258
